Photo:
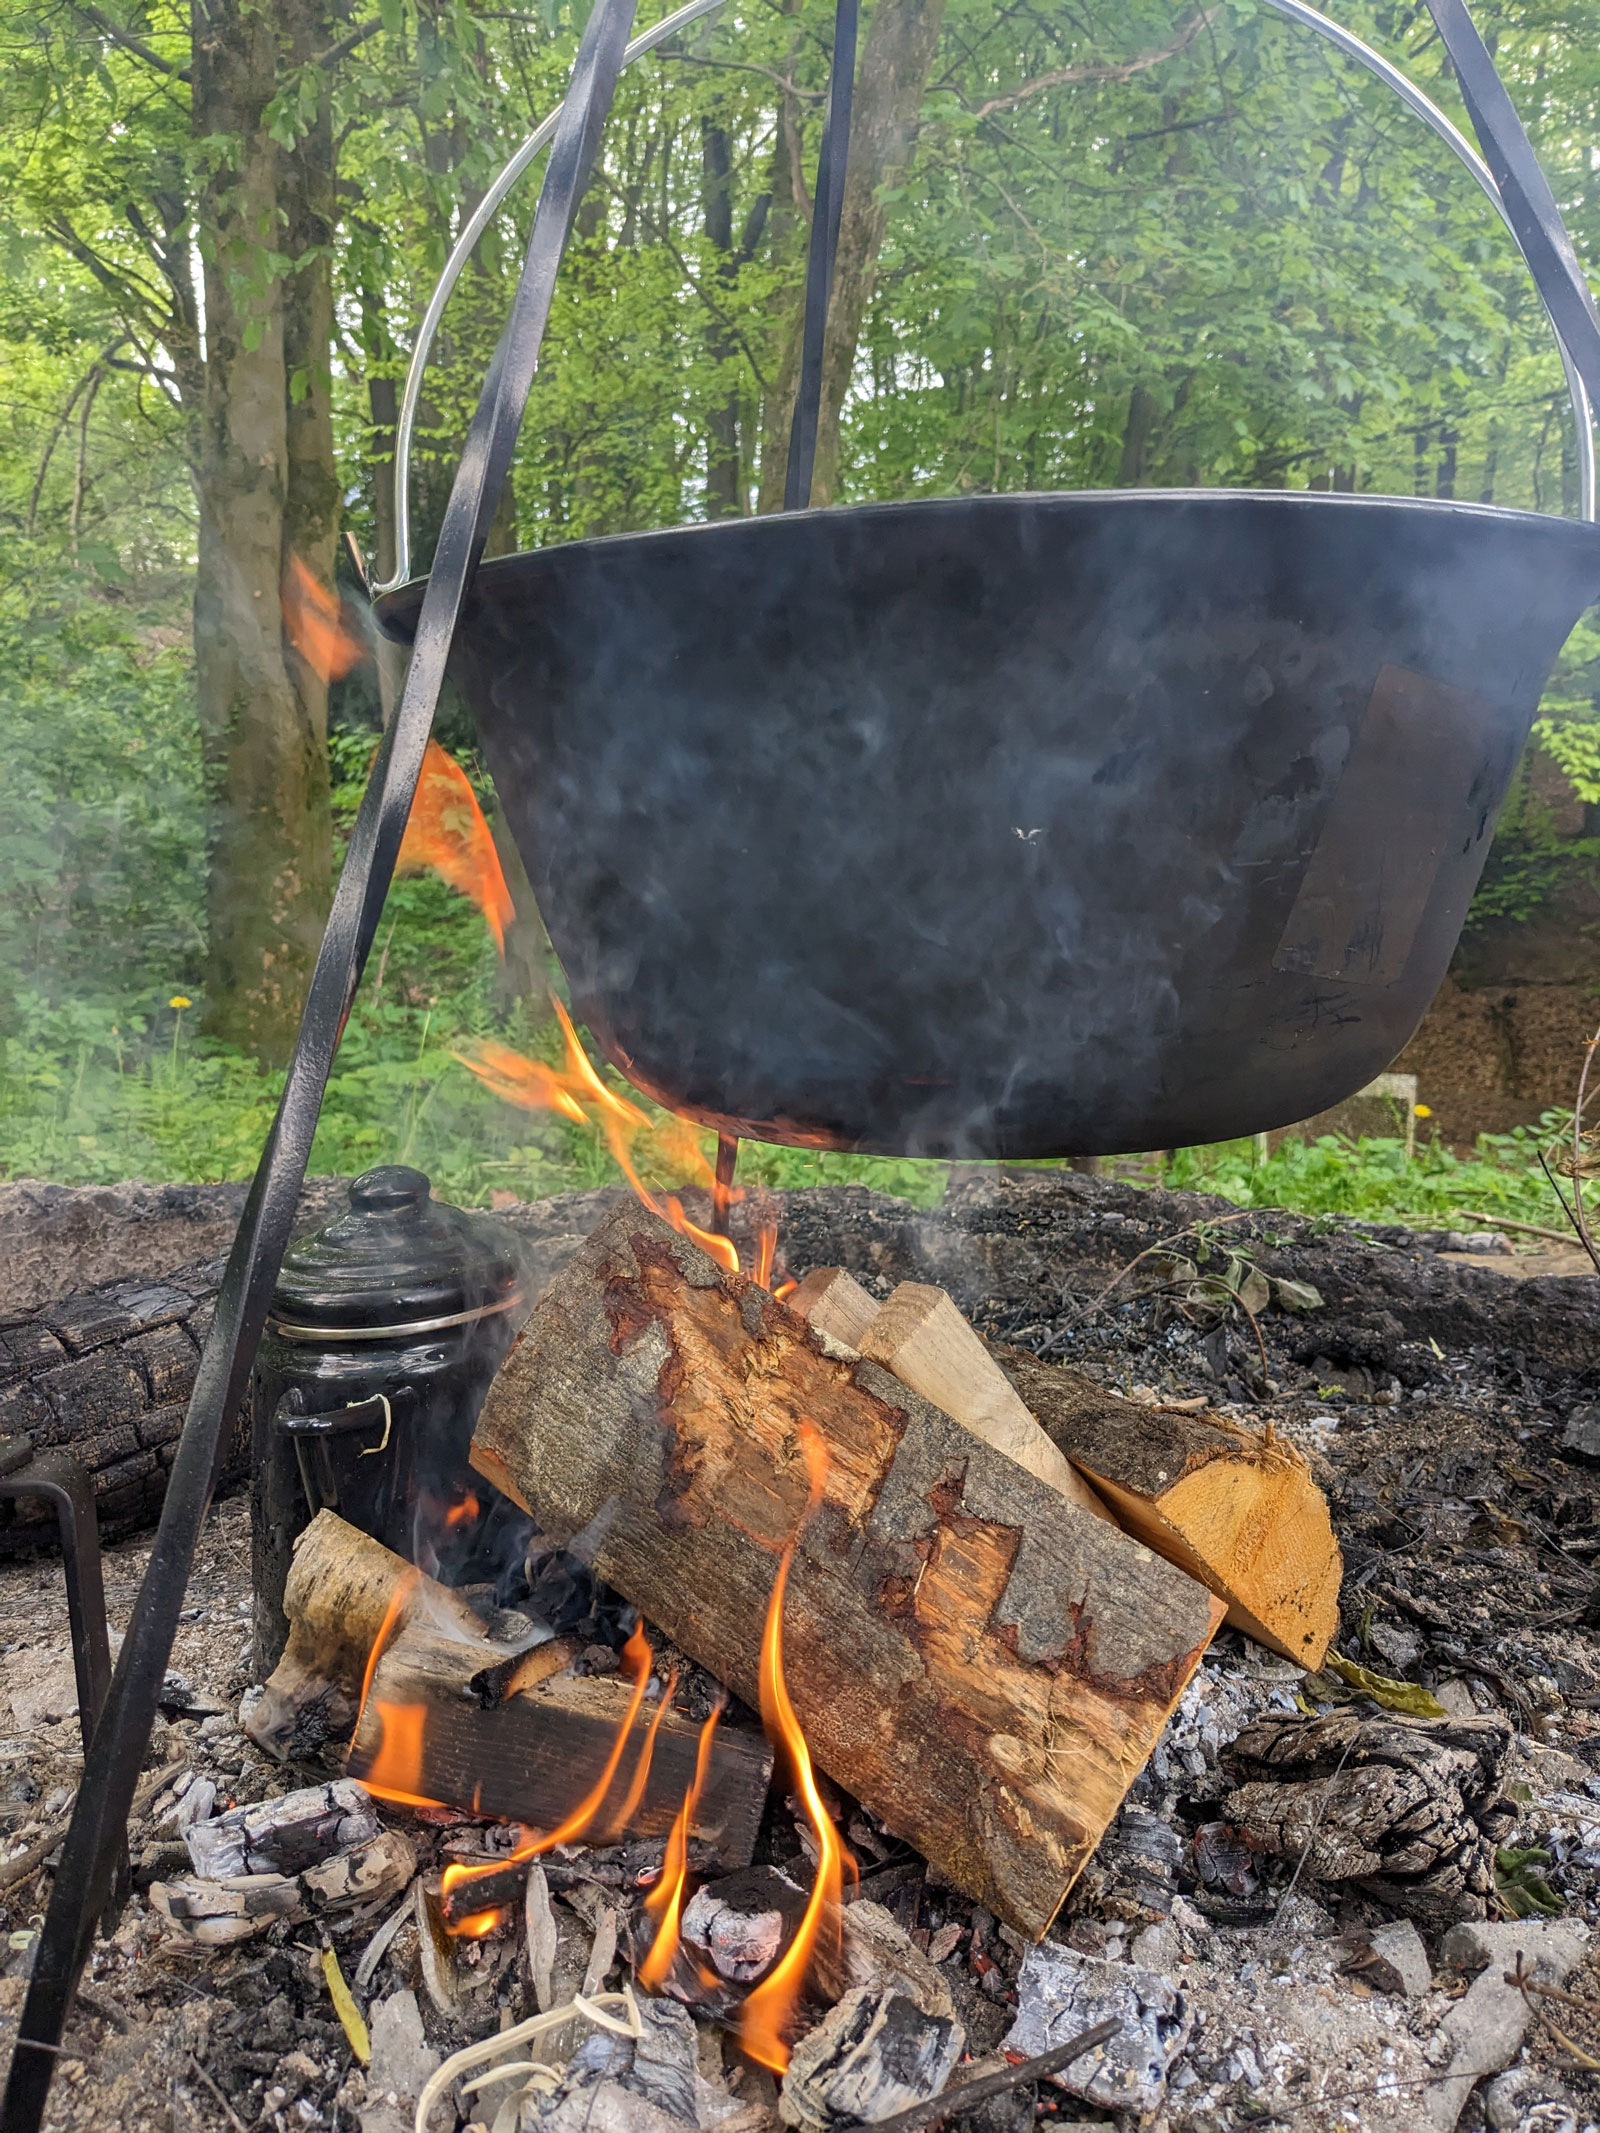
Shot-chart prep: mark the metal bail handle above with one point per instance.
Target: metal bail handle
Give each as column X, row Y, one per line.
column 1308, row 17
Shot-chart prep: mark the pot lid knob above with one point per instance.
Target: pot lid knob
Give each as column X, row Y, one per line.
column 391, row 1189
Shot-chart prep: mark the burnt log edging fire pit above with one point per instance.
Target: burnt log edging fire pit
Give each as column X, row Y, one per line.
column 105, row 1371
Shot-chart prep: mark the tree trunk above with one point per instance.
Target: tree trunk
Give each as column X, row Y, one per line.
column 724, row 490
column 266, row 757
column 894, row 74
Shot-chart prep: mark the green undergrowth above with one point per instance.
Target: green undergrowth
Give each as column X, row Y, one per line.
column 96, row 1087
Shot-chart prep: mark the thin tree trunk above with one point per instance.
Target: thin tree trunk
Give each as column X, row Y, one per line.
column 724, row 490
column 267, row 761
column 889, row 90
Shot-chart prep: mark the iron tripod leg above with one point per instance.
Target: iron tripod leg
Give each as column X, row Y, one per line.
column 62, row 1482
column 116, row 1752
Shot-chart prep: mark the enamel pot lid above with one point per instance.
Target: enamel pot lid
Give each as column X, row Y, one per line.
column 400, row 1263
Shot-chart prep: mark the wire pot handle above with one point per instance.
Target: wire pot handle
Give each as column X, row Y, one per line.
column 1298, row 11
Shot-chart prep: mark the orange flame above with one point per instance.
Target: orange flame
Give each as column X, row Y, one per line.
column 641, row 1776
column 475, row 1927
column 446, row 831
column 766, row 1252
column 313, row 622
column 665, row 1901
column 769, row 2006
column 636, row 1653
column 537, row 1087
column 396, row 1772
column 458, row 1514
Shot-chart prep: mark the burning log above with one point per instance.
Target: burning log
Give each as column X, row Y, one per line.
column 1236, row 1508
column 981, row 1662
column 408, row 1662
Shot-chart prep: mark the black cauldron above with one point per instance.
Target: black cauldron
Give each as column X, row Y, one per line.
column 385, row 1330
column 1021, row 825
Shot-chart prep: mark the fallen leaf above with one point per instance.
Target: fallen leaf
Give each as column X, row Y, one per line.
column 1407, row 1696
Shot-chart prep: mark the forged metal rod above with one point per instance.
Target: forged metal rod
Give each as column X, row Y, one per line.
column 1529, row 203
column 826, row 205
column 111, row 1767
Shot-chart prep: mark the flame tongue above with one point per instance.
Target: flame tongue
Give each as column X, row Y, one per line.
column 767, row 2010
column 636, row 1656
column 446, row 831
column 581, row 1095
column 665, row 1901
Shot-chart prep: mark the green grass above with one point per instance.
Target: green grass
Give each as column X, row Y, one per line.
column 96, row 1090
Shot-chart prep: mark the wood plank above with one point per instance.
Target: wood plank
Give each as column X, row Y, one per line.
column 534, row 1756
column 921, row 1336
column 1235, row 1507
column 983, row 1663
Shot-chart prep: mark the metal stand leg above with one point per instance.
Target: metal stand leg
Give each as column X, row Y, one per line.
column 62, row 1482
column 111, row 1767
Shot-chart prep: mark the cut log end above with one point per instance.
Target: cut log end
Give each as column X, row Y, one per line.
column 1236, row 1508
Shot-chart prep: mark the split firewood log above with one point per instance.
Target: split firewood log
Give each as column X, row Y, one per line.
column 1235, row 1507
column 1409, row 1811
column 338, row 1592
column 921, row 1336
column 981, row 1662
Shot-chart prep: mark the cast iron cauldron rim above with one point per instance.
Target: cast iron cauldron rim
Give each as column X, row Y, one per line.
column 392, row 608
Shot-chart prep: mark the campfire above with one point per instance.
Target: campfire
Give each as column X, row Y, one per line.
column 839, row 1561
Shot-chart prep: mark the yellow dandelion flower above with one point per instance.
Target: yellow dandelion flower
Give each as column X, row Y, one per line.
column 180, row 999
column 1421, row 1111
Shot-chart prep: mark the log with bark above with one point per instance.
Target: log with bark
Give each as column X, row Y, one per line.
column 1235, row 1507
column 452, row 1716
column 984, row 1664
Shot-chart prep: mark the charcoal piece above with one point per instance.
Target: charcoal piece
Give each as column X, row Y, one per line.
column 1407, row 1811
column 1061, row 1993
column 873, row 2054
column 1134, row 1874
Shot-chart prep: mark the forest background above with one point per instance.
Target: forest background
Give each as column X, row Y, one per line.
column 1085, row 245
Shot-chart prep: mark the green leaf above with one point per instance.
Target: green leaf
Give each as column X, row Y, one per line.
column 1521, row 1887
column 1407, row 1696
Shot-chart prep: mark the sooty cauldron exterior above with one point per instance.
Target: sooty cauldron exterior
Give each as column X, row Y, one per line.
column 1015, row 825
column 385, row 1331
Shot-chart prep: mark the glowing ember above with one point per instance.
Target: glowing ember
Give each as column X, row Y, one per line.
column 636, row 1656
column 446, row 831
column 581, row 1095
column 313, row 622
column 460, row 1513
column 665, row 1901
column 769, row 2006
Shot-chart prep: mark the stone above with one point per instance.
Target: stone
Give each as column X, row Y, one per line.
column 1484, row 2032
column 1396, row 1961
column 1060, row 1993
column 1582, row 1433
column 401, row 2057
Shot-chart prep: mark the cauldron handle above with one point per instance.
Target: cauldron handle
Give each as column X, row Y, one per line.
column 1294, row 10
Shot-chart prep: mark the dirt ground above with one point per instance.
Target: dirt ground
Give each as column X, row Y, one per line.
column 1444, row 1403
